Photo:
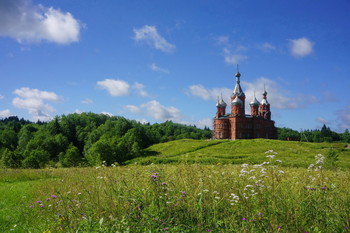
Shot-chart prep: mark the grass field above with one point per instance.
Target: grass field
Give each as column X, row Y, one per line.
column 266, row 192
column 293, row 154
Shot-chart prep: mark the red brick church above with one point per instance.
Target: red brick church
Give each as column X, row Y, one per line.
column 238, row 125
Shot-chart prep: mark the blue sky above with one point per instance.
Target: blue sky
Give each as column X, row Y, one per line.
column 169, row 60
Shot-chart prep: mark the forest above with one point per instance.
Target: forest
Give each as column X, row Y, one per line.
column 85, row 139
column 90, row 139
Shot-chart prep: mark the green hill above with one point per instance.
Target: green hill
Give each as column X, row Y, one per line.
column 291, row 153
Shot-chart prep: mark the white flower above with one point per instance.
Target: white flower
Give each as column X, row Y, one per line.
column 279, row 161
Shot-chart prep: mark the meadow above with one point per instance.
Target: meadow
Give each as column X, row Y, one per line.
column 269, row 193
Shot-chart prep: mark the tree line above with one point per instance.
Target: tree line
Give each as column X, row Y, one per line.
column 88, row 139
column 325, row 134
column 85, row 139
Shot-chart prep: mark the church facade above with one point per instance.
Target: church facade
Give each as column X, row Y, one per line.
column 238, row 125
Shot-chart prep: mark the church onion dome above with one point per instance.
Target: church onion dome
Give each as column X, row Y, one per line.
column 264, row 102
column 237, row 101
column 254, row 102
column 237, row 91
column 221, row 103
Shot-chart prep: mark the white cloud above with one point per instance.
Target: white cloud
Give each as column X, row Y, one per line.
column 28, row 93
column 301, row 47
column 205, row 122
column 267, row 47
column 140, row 88
column 25, row 22
column 209, row 94
column 1, row 97
column 233, row 58
column 107, row 114
column 277, row 96
column 5, row 113
column 133, row 109
column 34, row 101
column 87, row 101
column 323, row 121
column 223, row 40
column 115, row 87
column 150, row 35
column 157, row 111
column 154, row 67
column 344, row 118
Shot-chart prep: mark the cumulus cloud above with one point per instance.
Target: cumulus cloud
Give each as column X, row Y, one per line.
column 156, row 68
column 87, row 101
column 33, row 100
column 301, row 47
column 150, row 35
column 26, row 22
column 276, row 94
column 115, row 87
column 209, row 94
column 267, row 47
column 234, row 57
column 156, row 110
column 344, row 118
column 323, row 121
column 140, row 89
column 5, row 113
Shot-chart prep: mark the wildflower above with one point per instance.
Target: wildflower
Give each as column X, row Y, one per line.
column 252, row 220
column 164, row 183
column 41, row 205
column 31, row 206
column 260, row 214
column 217, row 198
column 208, row 230
column 183, row 194
column 48, row 199
column 279, row 161
column 205, row 190
column 38, row 202
column 79, row 193
column 281, row 172
column 243, row 219
column 323, row 188
column 270, row 156
column 53, row 196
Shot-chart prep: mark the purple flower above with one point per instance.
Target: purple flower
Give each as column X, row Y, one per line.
column 38, row 202
column 252, row 220
column 243, row 219
column 54, row 196
column 31, row 206
column 163, row 183
column 48, row 199
column 208, row 230
column 259, row 214
column 323, row 188
column 279, row 227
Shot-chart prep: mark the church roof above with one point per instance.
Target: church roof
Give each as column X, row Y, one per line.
column 221, row 102
column 237, row 91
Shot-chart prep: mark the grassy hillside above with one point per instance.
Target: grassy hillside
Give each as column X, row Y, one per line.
column 293, row 154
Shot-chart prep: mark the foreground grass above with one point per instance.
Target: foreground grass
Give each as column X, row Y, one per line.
column 264, row 197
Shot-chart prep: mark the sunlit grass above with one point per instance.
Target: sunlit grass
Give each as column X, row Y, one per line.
column 263, row 197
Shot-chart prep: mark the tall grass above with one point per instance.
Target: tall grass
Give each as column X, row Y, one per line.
column 265, row 197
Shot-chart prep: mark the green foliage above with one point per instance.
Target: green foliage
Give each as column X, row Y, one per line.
column 77, row 139
column 71, row 158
